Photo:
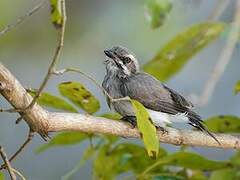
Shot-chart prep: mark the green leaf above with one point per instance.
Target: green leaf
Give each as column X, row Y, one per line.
column 135, row 157
column 176, row 53
column 191, row 161
column 56, row 13
column 157, row 11
column 62, row 139
column 237, row 87
column 1, row 176
column 111, row 167
column 52, row 101
column 168, row 177
column 198, row 175
column 224, row 174
column 235, row 159
column 80, row 96
column 122, row 158
column 223, row 124
column 146, row 128
column 111, row 138
column 114, row 116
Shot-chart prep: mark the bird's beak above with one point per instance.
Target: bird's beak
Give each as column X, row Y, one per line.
column 109, row 53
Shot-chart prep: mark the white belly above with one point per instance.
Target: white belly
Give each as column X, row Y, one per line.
column 162, row 119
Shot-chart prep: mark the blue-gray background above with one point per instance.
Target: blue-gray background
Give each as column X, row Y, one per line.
column 93, row 26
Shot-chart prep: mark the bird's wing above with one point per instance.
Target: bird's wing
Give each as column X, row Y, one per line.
column 179, row 99
column 154, row 95
column 158, row 97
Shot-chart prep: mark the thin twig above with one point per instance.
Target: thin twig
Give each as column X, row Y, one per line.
column 224, row 59
column 51, row 68
column 112, row 99
column 21, row 148
column 8, row 165
column 9, row 110
column 19, row 21
column 218, row 10
column 19, row 174
column 56, row 55
column 22, row 18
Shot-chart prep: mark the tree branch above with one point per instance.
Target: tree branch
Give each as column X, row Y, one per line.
column 20, row 149
column 22, row 18
column 43, row 122
column 56, row 55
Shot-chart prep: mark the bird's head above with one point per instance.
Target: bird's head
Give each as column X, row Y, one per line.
column 121, row 61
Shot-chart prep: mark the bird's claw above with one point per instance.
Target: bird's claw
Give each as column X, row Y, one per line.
column 164, row 131
column 130, row 119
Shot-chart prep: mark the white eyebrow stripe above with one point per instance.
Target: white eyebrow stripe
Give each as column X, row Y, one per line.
column 133, row 58
column 125, row 69
column 120, row 62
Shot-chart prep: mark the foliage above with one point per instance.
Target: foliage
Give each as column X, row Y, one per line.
column 192, row 161
column 1, row 176
column 223, row 123
column 120, row 158
column 65, row 138
column 56, row 13
column 49, row 100
column 147, row 129
column 157, row 11
column 114, row 116
column 177, row 52
column 237, row 88
column 167, row 177
column 80, row 96
column 223, row 174
column 75, row 92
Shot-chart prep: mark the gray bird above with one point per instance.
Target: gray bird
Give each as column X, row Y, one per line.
column 163, row 104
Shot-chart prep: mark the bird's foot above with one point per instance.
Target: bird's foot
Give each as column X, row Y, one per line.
column 131, row 119
column 164, row 131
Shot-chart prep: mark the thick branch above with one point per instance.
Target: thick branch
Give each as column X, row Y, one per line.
column 42, row 121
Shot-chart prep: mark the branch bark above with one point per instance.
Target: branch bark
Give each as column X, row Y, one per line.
column 43, row 122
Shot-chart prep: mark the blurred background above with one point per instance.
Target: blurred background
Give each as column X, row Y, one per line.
column 93, row 26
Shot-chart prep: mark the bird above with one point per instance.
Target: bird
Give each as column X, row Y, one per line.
column 124, row 79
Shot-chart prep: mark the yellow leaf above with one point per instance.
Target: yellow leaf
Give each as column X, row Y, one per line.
column 146, row 128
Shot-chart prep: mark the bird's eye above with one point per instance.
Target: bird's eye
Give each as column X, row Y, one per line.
column 126, row 60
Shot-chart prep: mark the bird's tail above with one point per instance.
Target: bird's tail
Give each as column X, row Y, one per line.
column 196, row 121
